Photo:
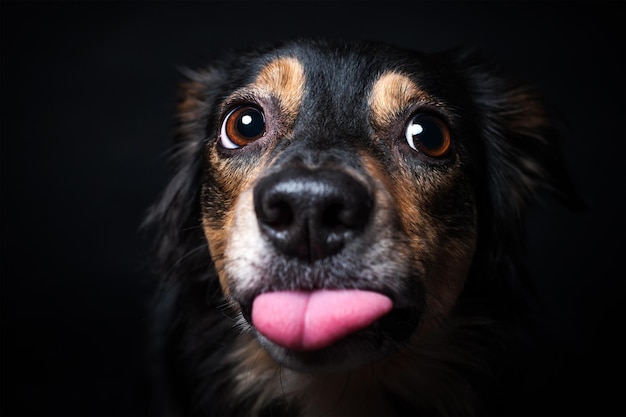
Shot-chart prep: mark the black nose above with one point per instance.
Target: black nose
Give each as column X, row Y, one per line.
column 311, row 214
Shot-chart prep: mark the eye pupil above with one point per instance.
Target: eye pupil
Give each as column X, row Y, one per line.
column 242, row 126
column 428, row 135
column 251, row 124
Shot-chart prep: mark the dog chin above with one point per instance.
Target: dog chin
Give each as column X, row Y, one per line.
column 354, row 351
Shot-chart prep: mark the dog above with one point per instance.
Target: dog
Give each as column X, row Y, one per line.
column 343, row 232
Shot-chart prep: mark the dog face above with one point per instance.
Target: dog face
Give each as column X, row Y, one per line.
column 328, row 172
column 347, row 189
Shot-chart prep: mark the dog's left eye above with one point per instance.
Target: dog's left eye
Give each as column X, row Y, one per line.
column 429, row 135
column 242, row 126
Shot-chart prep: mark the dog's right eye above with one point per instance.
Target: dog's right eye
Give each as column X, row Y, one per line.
column 242, row 126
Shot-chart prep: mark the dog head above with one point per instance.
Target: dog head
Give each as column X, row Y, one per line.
column 349, row 192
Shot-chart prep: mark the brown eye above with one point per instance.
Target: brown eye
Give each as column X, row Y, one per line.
column 429, row 135
column 242, row 126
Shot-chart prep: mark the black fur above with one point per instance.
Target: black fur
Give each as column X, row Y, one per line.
column 511, row 152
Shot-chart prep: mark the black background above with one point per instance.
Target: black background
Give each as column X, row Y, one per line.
column 88, row 92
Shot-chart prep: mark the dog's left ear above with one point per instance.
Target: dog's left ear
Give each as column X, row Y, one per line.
column 522, row 148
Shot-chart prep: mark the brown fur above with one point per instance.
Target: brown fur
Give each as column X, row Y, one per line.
column 392, row 94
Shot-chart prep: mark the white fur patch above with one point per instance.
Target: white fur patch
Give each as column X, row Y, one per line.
column 247, row 252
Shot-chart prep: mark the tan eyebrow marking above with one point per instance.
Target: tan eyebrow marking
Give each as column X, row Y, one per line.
column 284, row 79
column 391, row 94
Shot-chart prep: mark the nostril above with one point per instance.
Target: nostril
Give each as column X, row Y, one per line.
column 342, row 217
column 331, row 217
column 275, row 213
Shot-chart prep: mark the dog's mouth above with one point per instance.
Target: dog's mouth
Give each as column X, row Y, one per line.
column 329, row 330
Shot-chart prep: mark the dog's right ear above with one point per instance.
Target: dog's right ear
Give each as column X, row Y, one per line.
column 175, row 217
column 197, row 96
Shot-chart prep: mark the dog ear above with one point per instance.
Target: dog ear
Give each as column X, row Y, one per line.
column 521, row 159
column 197, row 96
column 175, row 216
column 522, row 148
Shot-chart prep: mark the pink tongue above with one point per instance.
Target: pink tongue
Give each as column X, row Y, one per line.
column 312, row 320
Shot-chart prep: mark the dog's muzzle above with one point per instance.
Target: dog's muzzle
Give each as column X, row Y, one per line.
column 309, row 215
